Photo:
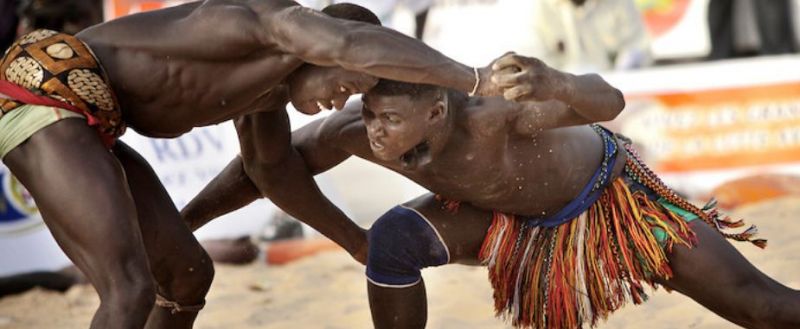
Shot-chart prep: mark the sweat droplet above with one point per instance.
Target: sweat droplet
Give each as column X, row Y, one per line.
column 550, row 150
column 223, row 102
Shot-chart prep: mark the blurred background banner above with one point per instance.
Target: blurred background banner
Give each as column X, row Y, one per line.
column 184, row 165
column 187, row 163
column 118, row 8
column 25, row 243
column 701, row 125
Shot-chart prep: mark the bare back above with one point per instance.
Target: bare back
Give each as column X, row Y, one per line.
column 190, row 65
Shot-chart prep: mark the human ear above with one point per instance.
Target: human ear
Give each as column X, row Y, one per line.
column 438, row 111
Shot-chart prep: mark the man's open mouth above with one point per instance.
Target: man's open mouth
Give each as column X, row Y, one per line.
column 376, row 146
column 324, row 105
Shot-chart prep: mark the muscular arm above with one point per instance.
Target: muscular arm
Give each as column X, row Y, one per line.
column 531, row 117
column 327, row 142
column 529, row 79
column 322, row 40
column 527, row 117
column 279, row 172
column 226, row 30
column 203, row 30
column 317, row 142
column 232, row 188
column 591, row 97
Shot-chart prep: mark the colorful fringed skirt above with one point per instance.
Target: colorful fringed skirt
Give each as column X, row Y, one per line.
column 578, row 272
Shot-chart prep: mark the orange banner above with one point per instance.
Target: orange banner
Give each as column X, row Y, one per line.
column 718, row 128
column 118, row 8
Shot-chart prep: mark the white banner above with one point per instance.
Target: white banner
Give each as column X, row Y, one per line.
column 25, row 243
column 184, row 165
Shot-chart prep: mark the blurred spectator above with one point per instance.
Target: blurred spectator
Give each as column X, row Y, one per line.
column 70, row 16
column 773, row 21
column 420, row 18
column 572, row 35
column 475, row 32
column 592, row 35
column 8, row 23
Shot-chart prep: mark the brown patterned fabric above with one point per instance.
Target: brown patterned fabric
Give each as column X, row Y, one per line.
column 59, row 66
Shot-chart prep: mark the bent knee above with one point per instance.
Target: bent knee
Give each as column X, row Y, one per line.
column 201, row 274
column 401, row 243
column 188, row 281
column 132, row 296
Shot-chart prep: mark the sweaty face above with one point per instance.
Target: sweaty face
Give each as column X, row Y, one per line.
column 314, row 88
column 396, row 127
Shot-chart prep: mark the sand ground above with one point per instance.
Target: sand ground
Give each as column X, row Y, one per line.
column 328, row 291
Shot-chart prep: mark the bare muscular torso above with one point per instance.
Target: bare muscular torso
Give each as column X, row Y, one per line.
column 176, row 69
column 521, row 175
column 494, row 169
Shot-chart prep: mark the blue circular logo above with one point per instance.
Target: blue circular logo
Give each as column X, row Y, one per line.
column 18, row 212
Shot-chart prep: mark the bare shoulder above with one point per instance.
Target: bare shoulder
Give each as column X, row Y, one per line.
column 253, row 16
column 204, row 29
column 344, row 126
column 227, row 11
column 487, row 116
column 274, row 14
column 345, row 130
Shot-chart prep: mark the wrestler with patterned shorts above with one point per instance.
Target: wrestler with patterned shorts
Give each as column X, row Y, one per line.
column 47, row 78
column 65, row 99
column 578, row 224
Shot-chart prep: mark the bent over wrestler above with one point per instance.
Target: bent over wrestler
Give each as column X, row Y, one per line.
column 65, row 99
column 569, row 222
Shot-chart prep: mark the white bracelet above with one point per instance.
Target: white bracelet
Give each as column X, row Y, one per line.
column 477, row 82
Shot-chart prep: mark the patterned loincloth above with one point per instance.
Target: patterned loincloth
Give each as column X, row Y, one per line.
column 554, row 273
column 55, row 69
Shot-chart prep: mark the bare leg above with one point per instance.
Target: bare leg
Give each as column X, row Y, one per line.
column 182, row 269
column 463, row 234
column 718, row 277
column 83, row 197
column 398, row 307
